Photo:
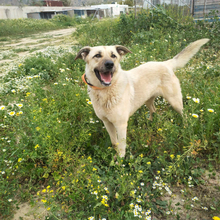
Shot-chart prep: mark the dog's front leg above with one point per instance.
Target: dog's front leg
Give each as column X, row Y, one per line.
column 121, row 145
column 118, row 136
column 111, row 131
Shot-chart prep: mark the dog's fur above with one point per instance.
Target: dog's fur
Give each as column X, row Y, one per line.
column 121, row 92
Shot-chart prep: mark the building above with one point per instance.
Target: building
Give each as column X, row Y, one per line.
column 47, row 12
column 15, row 12
column 110, row 10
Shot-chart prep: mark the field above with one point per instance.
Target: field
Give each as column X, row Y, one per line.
column 56, row 155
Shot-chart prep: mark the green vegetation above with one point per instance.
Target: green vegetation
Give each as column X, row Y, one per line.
column 23, row 27
column 55, row 151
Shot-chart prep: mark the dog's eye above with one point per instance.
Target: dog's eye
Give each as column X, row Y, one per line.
column 113, row 56
column 98, row 55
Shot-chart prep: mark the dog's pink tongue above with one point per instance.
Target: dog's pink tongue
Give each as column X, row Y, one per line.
column 106, row 77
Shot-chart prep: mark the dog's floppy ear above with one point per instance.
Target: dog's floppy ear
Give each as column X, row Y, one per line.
column 122, row 50
column 83, row 53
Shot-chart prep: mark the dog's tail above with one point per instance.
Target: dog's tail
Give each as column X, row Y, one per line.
column 182, row 58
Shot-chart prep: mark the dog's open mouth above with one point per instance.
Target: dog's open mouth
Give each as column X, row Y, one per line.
column 104, row 77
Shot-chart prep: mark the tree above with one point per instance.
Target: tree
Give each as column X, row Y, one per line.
column 127, row 2
column 66, row 2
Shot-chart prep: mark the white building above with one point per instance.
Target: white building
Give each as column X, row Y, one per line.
column 100, row 11
column 111, row 10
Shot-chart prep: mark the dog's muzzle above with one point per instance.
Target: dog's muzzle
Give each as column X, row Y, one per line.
column 105, row 75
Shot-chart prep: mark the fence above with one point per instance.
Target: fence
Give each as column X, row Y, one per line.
column 199, row 9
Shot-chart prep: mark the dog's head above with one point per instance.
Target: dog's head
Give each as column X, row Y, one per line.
column 102, row 63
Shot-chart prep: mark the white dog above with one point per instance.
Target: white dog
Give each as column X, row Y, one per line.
column 116, row 94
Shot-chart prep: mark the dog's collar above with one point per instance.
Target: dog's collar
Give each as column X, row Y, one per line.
column 86, row 82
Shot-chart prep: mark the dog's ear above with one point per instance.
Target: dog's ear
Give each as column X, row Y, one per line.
column 83, row 53
column 122, row 50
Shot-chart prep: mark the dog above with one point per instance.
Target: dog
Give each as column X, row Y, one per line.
column 116, row 94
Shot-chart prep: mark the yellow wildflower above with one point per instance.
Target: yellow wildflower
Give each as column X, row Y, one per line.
column 195, row 115
column 172, row 156
column 210, row 110
column 2, row 107
column 19, row 105
column 11, row 113
column 116, row 195
column 196, row 100
column 36, row 146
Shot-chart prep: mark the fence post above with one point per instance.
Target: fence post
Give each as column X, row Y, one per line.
column 192, row 7
column 135, row 8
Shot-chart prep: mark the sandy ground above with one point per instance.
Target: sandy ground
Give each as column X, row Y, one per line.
column 28, row 212
column 36, row 42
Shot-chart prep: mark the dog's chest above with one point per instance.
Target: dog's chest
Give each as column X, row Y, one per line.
column 104, row 100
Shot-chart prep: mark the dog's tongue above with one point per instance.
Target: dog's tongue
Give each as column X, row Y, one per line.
column 106, row 77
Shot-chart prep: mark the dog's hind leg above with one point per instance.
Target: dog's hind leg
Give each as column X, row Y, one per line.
column 176, row 103
column 150, row 104
column 172, row 93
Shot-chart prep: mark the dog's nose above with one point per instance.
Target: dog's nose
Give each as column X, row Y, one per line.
column 109, row 64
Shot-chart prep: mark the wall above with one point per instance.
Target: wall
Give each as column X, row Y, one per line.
column 14, row 12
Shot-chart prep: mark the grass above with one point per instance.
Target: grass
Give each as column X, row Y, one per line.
column 56, row 152
column 17, row 28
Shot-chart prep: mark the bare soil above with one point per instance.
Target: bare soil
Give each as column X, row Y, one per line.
column 28, row 212
column 37, row 42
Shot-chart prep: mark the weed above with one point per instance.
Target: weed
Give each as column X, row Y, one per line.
column 56, row 152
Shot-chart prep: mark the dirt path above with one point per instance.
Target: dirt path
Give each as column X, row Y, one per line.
column 36, row 42
column 51, row 34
